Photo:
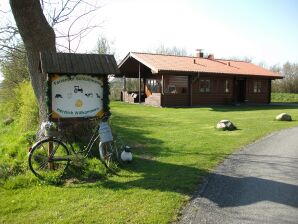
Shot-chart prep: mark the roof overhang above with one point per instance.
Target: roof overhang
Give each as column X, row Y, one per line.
column 70, row 63
column 191, row 73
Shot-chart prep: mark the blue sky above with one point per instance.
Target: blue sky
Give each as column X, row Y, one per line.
column 264, row 30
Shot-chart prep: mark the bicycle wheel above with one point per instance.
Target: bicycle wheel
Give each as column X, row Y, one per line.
column 109, row 156
column 48, row 158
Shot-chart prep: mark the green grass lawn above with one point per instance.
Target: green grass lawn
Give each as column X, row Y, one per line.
column 284, row 97
column 173, row 148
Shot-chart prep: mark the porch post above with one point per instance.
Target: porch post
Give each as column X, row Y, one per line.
column 190, row 78
column 269, row 91
column 162, row 85
column 123, row 92
column 139, row 82
column 124, row 83
column 234, row 90
column 162, row 90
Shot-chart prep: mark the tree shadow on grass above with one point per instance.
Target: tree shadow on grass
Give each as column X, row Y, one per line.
column 146, row 172
column 155, row 175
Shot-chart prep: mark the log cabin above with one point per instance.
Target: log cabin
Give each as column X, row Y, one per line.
column 185, row 81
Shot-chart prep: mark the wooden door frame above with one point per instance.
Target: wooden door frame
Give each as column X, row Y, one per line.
column 237, row 90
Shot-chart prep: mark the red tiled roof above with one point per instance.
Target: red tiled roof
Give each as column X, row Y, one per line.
column 162, row 63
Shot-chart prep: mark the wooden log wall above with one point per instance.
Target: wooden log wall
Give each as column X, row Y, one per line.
column 175, row 100
column 263, row 96
column 180, row 82
column 217, row 94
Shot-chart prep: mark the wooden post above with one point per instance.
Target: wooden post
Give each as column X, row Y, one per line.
column 123, row 92
column 139, row 82
column 144, row 83
column 190, row 78
column 245, row 91
column 162, row 91
column 269, row 91
column 234, row 90
column 124, row 83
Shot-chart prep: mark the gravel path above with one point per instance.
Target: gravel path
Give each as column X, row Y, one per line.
column 259, row 184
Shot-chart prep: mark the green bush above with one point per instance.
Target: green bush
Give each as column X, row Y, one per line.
column 13, row 152
column 27, row 107
column 284, row 97
column 22, row 106
column 17, row 136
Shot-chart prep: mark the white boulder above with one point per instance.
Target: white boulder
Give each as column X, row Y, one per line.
column 225, row 125
column 283, row 117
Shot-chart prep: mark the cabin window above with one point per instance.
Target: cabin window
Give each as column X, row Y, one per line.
column 172, row 89
column 175, row 84
column 227, row 86
column 257, row 86
column 204, row 85
column 153, row 85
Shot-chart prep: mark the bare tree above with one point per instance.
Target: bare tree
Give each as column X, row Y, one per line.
column 41, row 25
column 289, row 84
column 9, row 36
column 245, row 59
column 71, row 20
column 104, row 46
column 162, row 49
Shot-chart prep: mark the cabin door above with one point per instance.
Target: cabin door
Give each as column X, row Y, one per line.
column 241, row 90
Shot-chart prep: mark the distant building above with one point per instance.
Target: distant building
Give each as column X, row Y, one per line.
column 173, row 81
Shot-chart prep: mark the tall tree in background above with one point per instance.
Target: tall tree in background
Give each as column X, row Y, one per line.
column 14, row 67
column 162, row 49
column 104, row 46
column 14, row 70
column 289, row 84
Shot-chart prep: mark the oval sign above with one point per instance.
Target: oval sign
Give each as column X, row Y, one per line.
column 76, row 96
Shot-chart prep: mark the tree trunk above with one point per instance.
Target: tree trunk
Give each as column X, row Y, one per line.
column 38, row 36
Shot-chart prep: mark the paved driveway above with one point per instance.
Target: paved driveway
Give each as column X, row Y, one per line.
column 259, row 184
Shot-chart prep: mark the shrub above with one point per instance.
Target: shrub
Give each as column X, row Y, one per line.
column 22, row 107
column 27, row 107
column 18, row 135
column 289, row 84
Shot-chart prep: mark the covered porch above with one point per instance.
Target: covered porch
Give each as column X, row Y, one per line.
column 155, row 89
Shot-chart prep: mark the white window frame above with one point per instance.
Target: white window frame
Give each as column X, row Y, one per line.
column 205, row 85
column 257, row 86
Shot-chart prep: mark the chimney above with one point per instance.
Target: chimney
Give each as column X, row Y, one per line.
column 199, row 53
column 210, row 57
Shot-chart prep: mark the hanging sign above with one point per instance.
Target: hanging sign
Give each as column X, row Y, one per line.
column 76, row 96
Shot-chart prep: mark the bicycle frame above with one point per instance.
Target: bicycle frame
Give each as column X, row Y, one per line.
column 92, row 140
column 53, row 154
column 87, row 149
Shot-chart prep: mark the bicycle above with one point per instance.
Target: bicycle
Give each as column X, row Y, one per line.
column 51, row 156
